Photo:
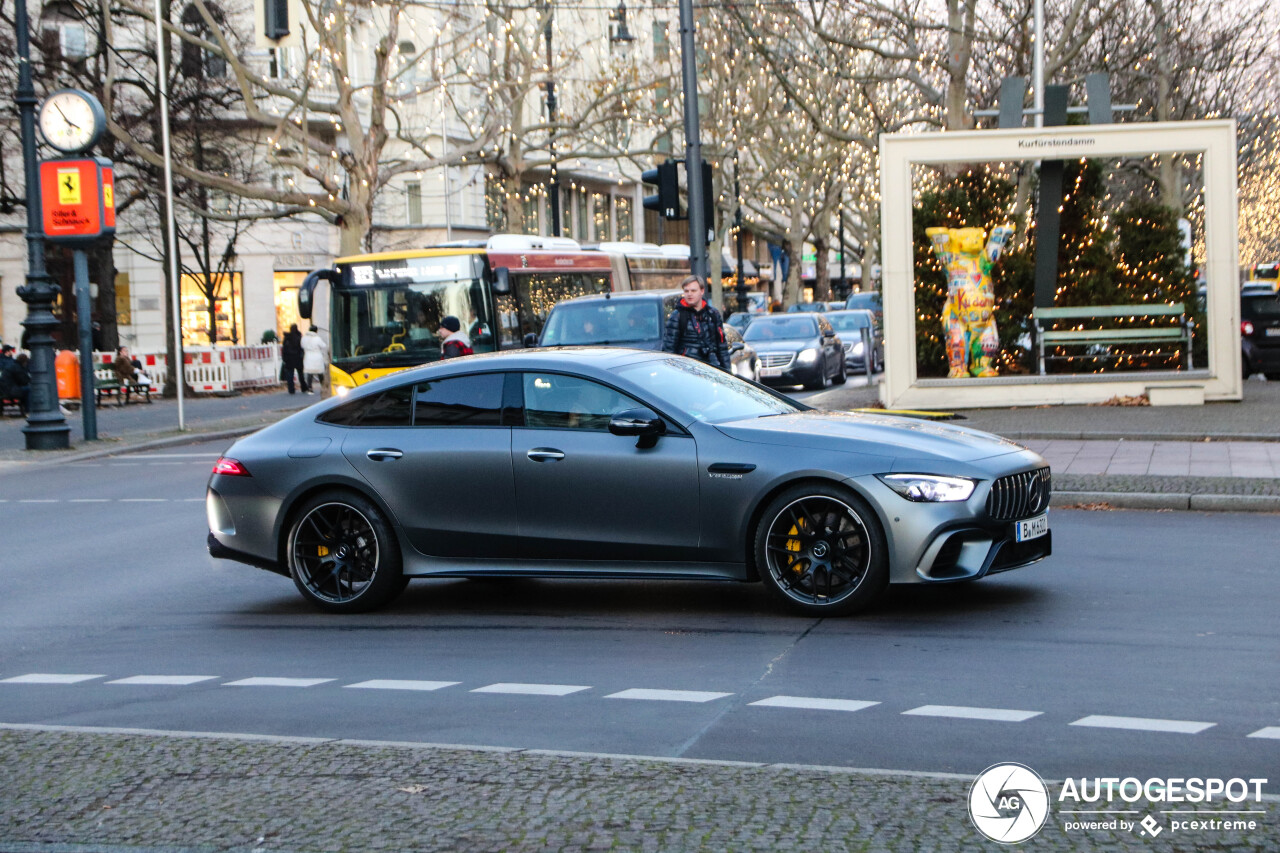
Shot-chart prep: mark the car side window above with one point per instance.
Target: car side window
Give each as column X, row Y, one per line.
column 554, row 401
column 390, row 408
column 474, row 400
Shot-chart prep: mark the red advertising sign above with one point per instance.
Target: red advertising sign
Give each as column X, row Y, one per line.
column 77, row 199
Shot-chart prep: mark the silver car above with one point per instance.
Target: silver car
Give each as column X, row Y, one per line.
column 608, row 462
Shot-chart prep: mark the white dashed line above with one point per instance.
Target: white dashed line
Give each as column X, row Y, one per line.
column 90, row 500
column 167, row 680
column 810, row 703
column 1002, row 715
column 1270, row 732
column 392, row 684
column 668, row 695
column 38, row 501
column 49, row 678
column 1142, row 724
column 277, row 682
column 143, row 500
column 533, row 689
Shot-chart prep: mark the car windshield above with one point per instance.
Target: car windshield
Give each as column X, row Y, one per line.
column 707, row 393
column 864, row 300
column 849, row 322
column 780, row 329
column 614, row 321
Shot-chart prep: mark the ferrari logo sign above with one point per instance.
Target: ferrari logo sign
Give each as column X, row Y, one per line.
column 77, row 199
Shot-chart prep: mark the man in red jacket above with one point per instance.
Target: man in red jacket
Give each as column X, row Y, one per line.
column 696, row 329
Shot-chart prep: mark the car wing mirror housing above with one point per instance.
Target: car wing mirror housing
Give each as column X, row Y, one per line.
column 531, row 340
column 736, row 347
column 644, row 424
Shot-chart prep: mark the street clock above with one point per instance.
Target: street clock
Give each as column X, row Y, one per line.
column 72, row 120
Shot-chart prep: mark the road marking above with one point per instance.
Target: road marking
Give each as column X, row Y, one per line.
column 1002, row 715
column 1271, row 732
column 667, row 695
column 38, row 501
column 1142, row 724
column 258, row 681
column 49, row 678
column 393, row 684
column 143, row 500
column 90, row 500
column 532, row 689
column 170, row 680
column 810, row 703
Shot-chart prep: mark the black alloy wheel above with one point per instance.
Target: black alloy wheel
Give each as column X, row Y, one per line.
column 842, row 373
column 822, row 380
column 343, row 555
column 821, row 551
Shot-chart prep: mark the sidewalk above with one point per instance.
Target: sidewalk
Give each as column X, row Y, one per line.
column 1220, row 456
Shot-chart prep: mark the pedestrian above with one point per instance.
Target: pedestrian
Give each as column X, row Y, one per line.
column 695, row 329
column 454, row 341
column 315, row 354
column 15, row 379
column 291, row 358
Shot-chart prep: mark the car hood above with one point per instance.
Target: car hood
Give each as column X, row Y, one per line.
column 881, row 435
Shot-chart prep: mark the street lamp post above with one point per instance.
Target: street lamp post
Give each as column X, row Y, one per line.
column 693, row 145
column 46, row 429
column 553, row 181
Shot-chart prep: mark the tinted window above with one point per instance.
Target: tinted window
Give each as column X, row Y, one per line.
column 705, row 392
column 1260, row 306
column 553, row 401
column 788, row 328
column 613, row 321
column 864, row 300
column 460, row 401
column 537, row 293
column 390, row 408
column 849, row 322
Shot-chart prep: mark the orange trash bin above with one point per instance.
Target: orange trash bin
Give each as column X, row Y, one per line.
column 66, row 367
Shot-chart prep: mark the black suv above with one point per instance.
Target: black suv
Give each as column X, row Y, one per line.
column 1260, row 332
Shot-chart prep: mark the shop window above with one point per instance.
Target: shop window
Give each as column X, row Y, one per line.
column 212, row 309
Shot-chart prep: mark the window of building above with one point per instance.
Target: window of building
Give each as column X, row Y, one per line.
column 622, row 218
column 600, row 217
column 212, row 309
column 197, row 62
column 413, row 193
column 64, row 36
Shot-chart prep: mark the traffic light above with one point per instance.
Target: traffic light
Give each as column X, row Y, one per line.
column 667, row 178
column 708, row 201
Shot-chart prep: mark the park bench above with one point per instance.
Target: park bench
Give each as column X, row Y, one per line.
column 107, row 385
column 1116, row 332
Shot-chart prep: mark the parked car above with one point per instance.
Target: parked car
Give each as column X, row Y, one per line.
column 614, row 463
column 1260, row 333
column 630, row 319
column 849, row 325
column 870, row 301
column 808, row 306
column 797, row 350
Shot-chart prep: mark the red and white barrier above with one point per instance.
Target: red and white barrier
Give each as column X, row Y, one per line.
column 212, row 370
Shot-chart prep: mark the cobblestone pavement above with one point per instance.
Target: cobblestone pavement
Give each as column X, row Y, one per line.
column 118, row 792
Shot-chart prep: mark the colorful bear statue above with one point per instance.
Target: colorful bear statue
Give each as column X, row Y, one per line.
column 968, row 316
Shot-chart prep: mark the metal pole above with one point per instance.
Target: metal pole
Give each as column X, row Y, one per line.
column 553, row 183
column 844, row 282
column 444, row 153
column 162, row 87
column 737, row 225
column 1038, row 64
column 693, row 146
column 46, row 429
column 80, row 260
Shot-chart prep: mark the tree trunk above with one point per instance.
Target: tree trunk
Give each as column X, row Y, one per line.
column 822, row 273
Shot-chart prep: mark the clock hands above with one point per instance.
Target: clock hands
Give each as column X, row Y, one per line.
column 65, row 117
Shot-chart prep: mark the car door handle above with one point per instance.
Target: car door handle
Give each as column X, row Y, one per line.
column 378, row 454
column 545, row 454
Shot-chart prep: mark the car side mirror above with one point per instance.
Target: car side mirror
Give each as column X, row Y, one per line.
column 737, row 347
column 642, row 423
column 531, row 340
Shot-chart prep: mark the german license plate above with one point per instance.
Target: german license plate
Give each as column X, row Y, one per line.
column 1273, row 333
column 1032, row 528
column 771, row 371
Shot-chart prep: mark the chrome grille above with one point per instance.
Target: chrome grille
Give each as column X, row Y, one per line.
column 776, row 359
column 1019, row 495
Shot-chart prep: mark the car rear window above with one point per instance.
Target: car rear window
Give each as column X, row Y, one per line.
column 1260, row 306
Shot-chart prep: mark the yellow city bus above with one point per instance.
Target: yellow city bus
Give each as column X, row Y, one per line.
column 383, row 309
column 1268, row 274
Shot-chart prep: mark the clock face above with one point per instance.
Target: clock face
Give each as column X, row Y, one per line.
column 69, row 121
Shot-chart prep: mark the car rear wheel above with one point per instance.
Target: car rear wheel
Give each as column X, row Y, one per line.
column 343, row 556
column 820, row 550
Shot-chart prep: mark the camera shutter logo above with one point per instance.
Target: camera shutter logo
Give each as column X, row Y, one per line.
column 1008, row 803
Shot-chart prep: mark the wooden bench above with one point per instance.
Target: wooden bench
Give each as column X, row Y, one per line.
column 1046, row 318
column 106, row 385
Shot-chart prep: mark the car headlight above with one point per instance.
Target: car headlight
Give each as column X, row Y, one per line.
column 857, row 348
column 929, row 488
column 807, row 356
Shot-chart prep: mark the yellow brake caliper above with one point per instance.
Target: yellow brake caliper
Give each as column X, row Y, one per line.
column 322, row 551
column 793, row 545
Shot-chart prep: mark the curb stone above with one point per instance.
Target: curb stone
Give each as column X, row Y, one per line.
column 1174, row 501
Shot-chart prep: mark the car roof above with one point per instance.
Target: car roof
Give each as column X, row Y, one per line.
column 624, row 295
column 862, row 311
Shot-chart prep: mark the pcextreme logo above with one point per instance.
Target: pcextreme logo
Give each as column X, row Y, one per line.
column 1010, row 803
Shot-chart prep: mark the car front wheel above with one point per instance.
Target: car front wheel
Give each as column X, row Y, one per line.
column 342, row 554
column 820, row 550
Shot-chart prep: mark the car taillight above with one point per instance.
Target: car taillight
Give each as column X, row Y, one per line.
column 230, row 468
column 1246, row 328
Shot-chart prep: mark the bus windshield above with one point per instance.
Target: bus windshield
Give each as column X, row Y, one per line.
column 386, row 312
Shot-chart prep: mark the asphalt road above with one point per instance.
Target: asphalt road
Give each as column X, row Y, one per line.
column 1144, row 647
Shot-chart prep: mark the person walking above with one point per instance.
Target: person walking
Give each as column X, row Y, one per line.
column 291, row 356
column 315, row 355
column 695, row 329
column 454, row 342
column 15, row 378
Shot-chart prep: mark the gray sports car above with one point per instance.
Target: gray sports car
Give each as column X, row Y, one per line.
column 607, row 462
